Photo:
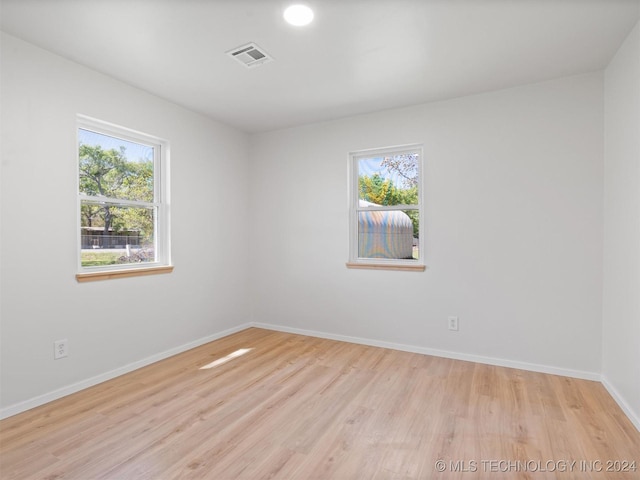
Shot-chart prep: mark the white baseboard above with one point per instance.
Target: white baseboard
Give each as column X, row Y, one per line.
column 633, row 416
column 628, row 411
column 90, row 382
column 76, row 387
column 565, row 372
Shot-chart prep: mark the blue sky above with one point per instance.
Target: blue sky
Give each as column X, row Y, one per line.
column 135, row 152
column 371, row 166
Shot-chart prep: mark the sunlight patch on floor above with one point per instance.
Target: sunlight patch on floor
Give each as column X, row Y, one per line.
column 223, row 360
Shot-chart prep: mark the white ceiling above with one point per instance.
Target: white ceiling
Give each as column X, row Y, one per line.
column 356, row 57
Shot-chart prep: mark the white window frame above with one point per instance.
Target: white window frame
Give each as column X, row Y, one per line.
column 160, row 202
column 354, row 208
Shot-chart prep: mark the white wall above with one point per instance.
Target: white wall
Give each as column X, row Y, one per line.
column 513, row 191
column 621, row 317
column 514, row 222
column 109, row 324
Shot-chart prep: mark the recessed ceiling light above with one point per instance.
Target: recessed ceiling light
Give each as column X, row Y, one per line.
column 298, row 15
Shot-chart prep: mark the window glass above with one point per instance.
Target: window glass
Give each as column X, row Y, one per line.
column 389, row 180
column 121, row 214
column 386, row 208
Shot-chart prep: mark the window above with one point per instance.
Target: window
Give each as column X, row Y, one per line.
column 122, row 200
column 386, row 209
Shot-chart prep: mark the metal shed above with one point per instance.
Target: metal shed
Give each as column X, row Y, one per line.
column 384, row 234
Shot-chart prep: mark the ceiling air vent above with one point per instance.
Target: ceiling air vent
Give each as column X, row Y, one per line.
column 250, row 55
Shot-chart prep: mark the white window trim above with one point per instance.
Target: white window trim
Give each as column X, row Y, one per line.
column 161, row 202
column 381, row 263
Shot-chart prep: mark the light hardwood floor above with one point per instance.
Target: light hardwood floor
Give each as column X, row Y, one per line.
column 296, row 407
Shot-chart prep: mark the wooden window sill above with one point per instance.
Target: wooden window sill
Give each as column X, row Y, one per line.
column 379, row 266
column 131, row 272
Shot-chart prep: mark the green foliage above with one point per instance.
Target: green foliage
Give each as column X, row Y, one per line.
column 376, row 189
column 382, row 191
column 92, row 258
column 108, row 173
column 414, row 215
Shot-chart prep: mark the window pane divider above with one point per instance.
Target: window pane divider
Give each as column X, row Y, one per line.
column 117, row 201
column 385, row 208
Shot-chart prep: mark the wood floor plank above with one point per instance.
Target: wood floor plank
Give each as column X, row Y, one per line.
column 285, row 406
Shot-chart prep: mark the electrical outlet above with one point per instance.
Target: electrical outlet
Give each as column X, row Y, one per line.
column 60, row 349
column 453, row 324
